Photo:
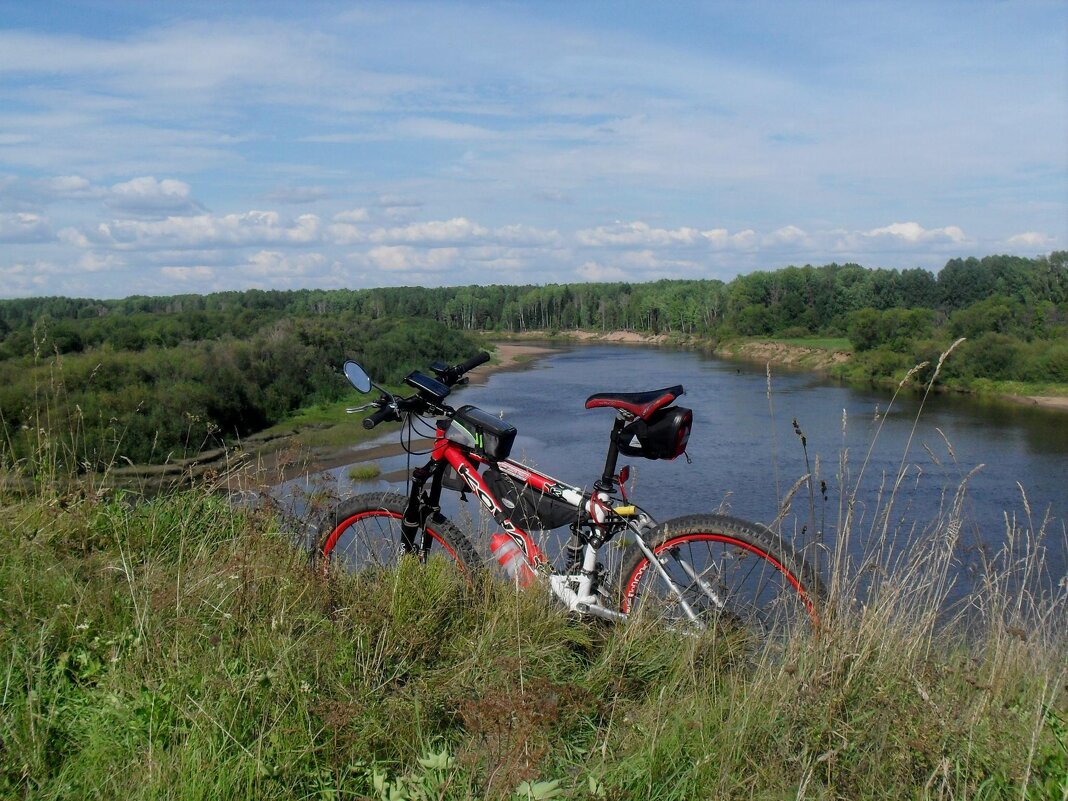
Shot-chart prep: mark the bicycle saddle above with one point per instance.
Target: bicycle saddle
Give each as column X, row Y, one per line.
column 640, row 404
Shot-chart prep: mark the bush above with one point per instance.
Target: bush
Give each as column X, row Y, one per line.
column 1047, row 362
column 895, row 329
column 995, row 356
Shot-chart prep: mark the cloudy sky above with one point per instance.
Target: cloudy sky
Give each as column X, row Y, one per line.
column 159, row 148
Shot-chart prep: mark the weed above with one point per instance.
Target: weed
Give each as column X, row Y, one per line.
column 364, row 472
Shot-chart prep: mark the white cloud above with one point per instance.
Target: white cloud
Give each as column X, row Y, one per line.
column 199, row 273
column 641, row 235
column 396, row 207
column 274, row 263
column 525, row 235
column 70, row 186
column 401, row 258
column 458, row 229
column 352, row 216
column 74, row 237
column 204, row 230
column 1030, row 239
column 344, row 230
column 595, row 272
column 28, row 278
column 17, row 192
column 722, row 239
column 913, row 232
column 25, row 227
column 636, row 234
column 12, row 270
column 145, row 196
column 96, row 263
column 787, row 235
column 37, row 269
column 344, row 234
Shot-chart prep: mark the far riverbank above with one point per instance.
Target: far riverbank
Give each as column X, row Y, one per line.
column 817, row 355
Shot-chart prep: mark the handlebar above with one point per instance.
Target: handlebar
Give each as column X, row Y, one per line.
column 428, row 397
column 479, row 358
column 385, row 413
column 451, row 376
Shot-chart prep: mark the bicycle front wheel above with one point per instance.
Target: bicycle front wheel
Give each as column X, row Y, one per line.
column 365, row 532
column 715, row 571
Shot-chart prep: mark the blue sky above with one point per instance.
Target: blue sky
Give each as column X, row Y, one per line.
column 160, row 148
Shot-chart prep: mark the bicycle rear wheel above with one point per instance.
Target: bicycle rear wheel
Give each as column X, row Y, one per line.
column 365, row 532
column 723, row 572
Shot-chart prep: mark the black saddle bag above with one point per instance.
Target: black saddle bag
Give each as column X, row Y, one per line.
column 663, row 436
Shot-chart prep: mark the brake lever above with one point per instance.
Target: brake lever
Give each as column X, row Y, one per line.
column 358, row 409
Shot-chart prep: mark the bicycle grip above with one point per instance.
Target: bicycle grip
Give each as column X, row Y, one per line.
column 374, row 419
column 479, row 358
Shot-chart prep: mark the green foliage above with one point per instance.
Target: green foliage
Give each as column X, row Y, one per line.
column 895, row 329
column 180, row 647
column 364, row 472
column 156, row 404
column 996, row 314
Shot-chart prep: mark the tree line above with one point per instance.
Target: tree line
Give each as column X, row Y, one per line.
column 182, row 369
column 809, row 300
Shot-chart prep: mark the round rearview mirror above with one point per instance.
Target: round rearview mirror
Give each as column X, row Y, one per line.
column 357, row 376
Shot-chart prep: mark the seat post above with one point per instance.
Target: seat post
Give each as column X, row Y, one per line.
column 607, row 482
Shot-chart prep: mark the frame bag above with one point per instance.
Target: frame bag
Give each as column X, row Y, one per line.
column 526, row 506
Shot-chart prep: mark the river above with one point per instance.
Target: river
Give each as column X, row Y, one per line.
column 746, row 454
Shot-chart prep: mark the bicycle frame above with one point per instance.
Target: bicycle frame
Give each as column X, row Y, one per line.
column 576, row 590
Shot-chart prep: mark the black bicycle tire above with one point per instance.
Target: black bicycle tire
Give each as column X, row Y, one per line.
column 390, row 505
column 746, row 539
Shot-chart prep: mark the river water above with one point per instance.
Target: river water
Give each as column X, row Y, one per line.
column 746, row 454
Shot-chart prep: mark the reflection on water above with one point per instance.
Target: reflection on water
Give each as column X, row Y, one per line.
column 746, row 452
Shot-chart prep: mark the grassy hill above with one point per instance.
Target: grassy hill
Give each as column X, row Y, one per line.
column 182, row 648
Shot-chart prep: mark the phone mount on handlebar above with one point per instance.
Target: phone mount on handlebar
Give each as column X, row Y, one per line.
column 430, row 388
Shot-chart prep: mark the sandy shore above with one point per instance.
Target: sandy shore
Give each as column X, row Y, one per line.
column 1058, row 402
column 622, row 337
column 511, row 356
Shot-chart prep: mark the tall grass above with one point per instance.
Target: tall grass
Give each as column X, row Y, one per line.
column 180, row 647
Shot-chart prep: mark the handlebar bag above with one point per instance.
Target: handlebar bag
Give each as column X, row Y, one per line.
column 663, row 436
column 479, row 431
column 529, row 508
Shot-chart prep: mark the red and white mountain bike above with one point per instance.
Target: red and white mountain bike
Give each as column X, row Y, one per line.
column 695, row 571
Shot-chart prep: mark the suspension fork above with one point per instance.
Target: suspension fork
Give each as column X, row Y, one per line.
column 420, row 507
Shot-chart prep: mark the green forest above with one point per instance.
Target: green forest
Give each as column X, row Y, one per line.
column 146, row 378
